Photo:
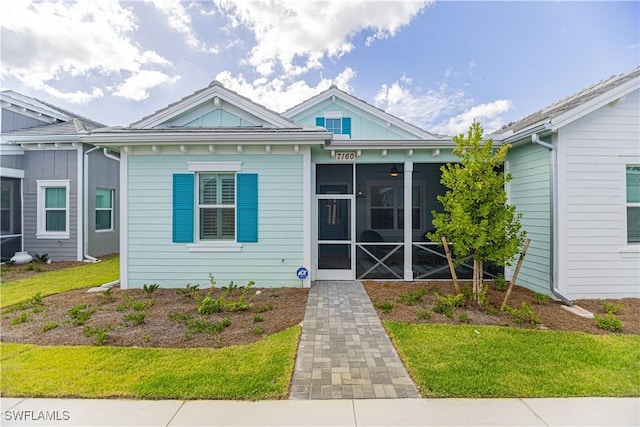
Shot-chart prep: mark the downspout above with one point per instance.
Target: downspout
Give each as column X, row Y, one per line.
column 85, row 237
column 110, row 156
column 553, row 206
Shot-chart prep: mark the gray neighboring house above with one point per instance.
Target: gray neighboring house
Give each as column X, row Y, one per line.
column 59, row 195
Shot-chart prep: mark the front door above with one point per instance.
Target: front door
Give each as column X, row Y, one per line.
column 335, row 237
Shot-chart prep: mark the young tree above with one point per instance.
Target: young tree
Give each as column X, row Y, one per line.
column 476, row 217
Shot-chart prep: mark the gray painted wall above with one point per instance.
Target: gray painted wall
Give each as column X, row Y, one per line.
column 103, row 173
column 12, row 161
column 14, row 121
column 54, row 164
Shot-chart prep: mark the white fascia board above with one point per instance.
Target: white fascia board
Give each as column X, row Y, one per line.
column 10, row 150
column 207, row 96
column 11, row 173
column 41, row 139
column 594, row 104
column 390, row 144
column 349, row 99
column 21, row 104
column 173, row 138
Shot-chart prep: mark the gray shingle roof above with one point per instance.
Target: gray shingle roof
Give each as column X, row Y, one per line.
column 551, row 111
column 72, row 127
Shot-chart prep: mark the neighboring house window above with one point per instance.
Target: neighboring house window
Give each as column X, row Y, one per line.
column 104, row 209
column 53, row 209
column 386, row 207
column 217, row 206
column 633, row 204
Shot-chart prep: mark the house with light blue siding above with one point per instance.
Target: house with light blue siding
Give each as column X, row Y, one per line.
column 59, row 194
column 215, row 184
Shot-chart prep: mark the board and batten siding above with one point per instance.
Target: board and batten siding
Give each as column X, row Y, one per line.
column 593, row 153
column 50, row 165
column 529, row 191
column 271, row 262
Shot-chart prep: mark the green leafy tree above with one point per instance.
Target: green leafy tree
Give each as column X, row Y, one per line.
column 476, row 218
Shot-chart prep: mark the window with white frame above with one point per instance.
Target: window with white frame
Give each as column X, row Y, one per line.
column 53, row 209
column 216, row 206
column 104, row 209
column 386, row 206
column 333, row 125
column 633, row 204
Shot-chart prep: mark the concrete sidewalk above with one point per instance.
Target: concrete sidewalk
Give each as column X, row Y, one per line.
column 371, row 412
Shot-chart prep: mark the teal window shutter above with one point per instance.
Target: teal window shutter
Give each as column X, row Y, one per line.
column 320, row 121
column 247, row 207
column 346, row 126
column 183, row 199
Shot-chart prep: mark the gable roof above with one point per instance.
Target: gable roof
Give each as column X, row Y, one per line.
column 333, row 91
column 577, row 105
column 42, row 110
column 212, row 93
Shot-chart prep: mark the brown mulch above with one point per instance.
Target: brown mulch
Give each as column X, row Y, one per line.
column 270, row 311
column 552, row 316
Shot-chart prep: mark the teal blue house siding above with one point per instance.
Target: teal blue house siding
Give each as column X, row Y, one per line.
column 272, row 260
column 529, row 190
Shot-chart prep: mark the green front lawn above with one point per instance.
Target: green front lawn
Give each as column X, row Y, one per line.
column 476, row 361
column 53, row 282
column 261, row 370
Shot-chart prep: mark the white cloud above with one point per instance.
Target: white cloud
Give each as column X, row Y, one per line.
column 137, row 86
column 278, row 95
column 297, row 35
column 46, row 41
column 426, row 109
column 178, row 18
column 77, row 97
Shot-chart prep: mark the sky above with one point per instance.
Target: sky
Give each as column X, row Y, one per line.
column 436, row 64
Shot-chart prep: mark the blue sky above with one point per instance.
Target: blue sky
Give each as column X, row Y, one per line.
column 438, row 65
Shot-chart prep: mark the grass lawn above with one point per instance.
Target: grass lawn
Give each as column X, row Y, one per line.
column 261, row 370
column 62, row 280
column 475, row 361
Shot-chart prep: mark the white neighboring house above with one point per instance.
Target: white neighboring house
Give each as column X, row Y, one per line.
column 576, row 180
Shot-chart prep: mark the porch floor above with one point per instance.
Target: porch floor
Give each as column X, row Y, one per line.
column 344, row 352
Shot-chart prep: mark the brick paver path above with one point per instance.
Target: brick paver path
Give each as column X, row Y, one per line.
column 344, row 351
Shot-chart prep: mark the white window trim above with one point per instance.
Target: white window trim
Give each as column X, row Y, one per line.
column 213, row 245
column 630, row 249
column 333, row 114
column 112, row 228
column 42, row 233
column 396, row 184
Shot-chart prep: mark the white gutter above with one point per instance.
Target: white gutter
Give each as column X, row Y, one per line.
column 109, row 155
column 85, row 207
column 553, row 202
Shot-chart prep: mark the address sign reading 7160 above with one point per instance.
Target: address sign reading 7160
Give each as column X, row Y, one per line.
column 345, row 156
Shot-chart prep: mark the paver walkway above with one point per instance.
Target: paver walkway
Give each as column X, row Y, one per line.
column 344, row 352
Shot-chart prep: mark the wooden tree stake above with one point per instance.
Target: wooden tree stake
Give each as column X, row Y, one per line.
column 515, row 274
column 451, row 266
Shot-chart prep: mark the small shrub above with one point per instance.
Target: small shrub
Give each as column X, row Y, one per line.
column 80, row 314
column 34, row 267
column 202, row 326
column 179, row 317
column 36, row 300
column 608, row 322
column 101, row 335
column 385, row 306
column 523, row 315
column 210, row 305
column 137, row 317
column 147, row 338
column 447, row 304
column 150, row 289
column 23, row 318
column 48, row 326
column 41, row 259
column 263, row 308
column 411, row 297
column 463, row 318
column 108, row 295
column 257, row 319
column 258, row 330
column 135, row 305
column 540, row 299
column 500, row 283
column 424, row 313
column 188, row 291
column 612, row 308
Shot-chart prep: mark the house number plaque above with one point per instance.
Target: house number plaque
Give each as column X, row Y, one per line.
column 348, row 156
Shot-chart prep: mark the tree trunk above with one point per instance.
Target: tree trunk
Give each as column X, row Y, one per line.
column 477, row 280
